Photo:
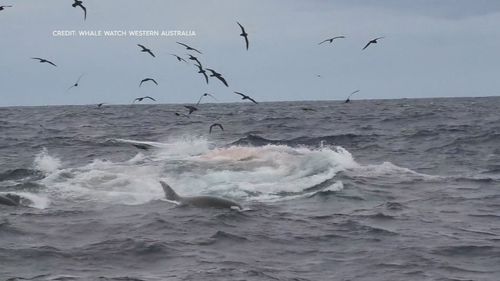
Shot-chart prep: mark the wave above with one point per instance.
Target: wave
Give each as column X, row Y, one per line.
column 195, row 166
column 341, row 139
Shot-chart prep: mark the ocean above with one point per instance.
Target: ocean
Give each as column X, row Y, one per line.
column 405, row 189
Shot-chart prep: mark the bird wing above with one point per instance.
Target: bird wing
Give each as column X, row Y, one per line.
column 323, row 41
column 211, row 96
column 215, row 125
column 151, row 53
column 353, row 93
column 200, row 99
column 182, row 44
column 252, row 100
column 379, row 38
column 367, row 44
column 154, row 81
column 191, row 48
column 222, row 80
column 238, row 93
column 40, row 59
column 206, row 77
column 338, row 37
column 84, row 11
column 142, row 46
column 148, row 97
column 49, row 62
column 242, row 28
column 246, row 41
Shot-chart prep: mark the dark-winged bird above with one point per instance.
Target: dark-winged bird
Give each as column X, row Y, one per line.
column 79, row 3
column 215, row 125
column 148, row 79
column 245, row 97
column 244, row 34
column 218, row 76
column 374, row 41
column 330, row 39
column 76, row 83
column 191, row 108
column 205, row 95
column 179, row 58
column 146, row 50
column 101, row 104
column 188, row 47
column 141, row 98
column 202, row 71
column 45, row 61
column 349, row 97
column 191, row 57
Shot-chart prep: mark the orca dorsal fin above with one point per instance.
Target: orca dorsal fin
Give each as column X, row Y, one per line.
column 169, row 192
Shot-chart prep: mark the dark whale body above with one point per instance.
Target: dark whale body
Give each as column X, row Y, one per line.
column 198, row 201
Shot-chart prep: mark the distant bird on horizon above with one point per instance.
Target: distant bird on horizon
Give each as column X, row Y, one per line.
column 215, row 125
column 191, row 57
column 374, row 41
column 205, row 95
column 245, row 97
column 99, row 105
column 79, row 3
column 218, row 76
column 202, row 71
column 331, row 39
column 148, row 79
column 349, row 97
column 5, row 6
column 244, row 34
column 44, row 61
column 179, row 58
column 188, row 47
column 76, row 83
column 146, row 50
column 191, row 108
column 141, row 98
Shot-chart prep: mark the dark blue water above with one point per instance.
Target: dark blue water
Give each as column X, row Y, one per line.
column 371, row 190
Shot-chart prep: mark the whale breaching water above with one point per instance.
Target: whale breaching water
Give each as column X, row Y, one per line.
column 199, row 201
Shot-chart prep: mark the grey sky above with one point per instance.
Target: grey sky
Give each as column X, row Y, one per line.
column 432, row 49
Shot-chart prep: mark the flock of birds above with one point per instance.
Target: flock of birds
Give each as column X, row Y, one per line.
column 201, row 70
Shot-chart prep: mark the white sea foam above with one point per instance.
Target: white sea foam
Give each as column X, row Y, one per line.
column 192, row 167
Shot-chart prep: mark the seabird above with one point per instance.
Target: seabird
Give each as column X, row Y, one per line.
column 76, row 83
column 191, row 57
column 244, row 34
column 205, row 95
column 188, row 47
column 331, row 39
column 218, row 76
column 349, row 97
column 191, row 108
column 144, row 49
column 3, row 7
column 179, row 58
column 101, row 104
column 245, row 97
column 202, row 71
column 44, row 61
column 79, row 3
column 141, row 98
column 148, row 79
column 374, row 41
column 215, row 125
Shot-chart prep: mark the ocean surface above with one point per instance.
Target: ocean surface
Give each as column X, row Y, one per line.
column 371, row 190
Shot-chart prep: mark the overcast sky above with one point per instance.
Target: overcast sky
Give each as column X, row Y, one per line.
column 431, row 48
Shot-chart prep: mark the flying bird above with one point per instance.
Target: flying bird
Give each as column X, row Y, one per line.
column 188, row 47
column 202, row 71
column 79, row 3
column 148, row 79
column 218, row 76
column 191, row 57
column 3, row 7
column 76, row 83
column 245, row 97
column 191, row 108
column 349, row 97
column 374, row 41
column 330, row 39
column 215, row 125
column 179, row 58
column 141, row 98
column 44, row 61
column 205, row 95
column 146, row 50
column 244, row 34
